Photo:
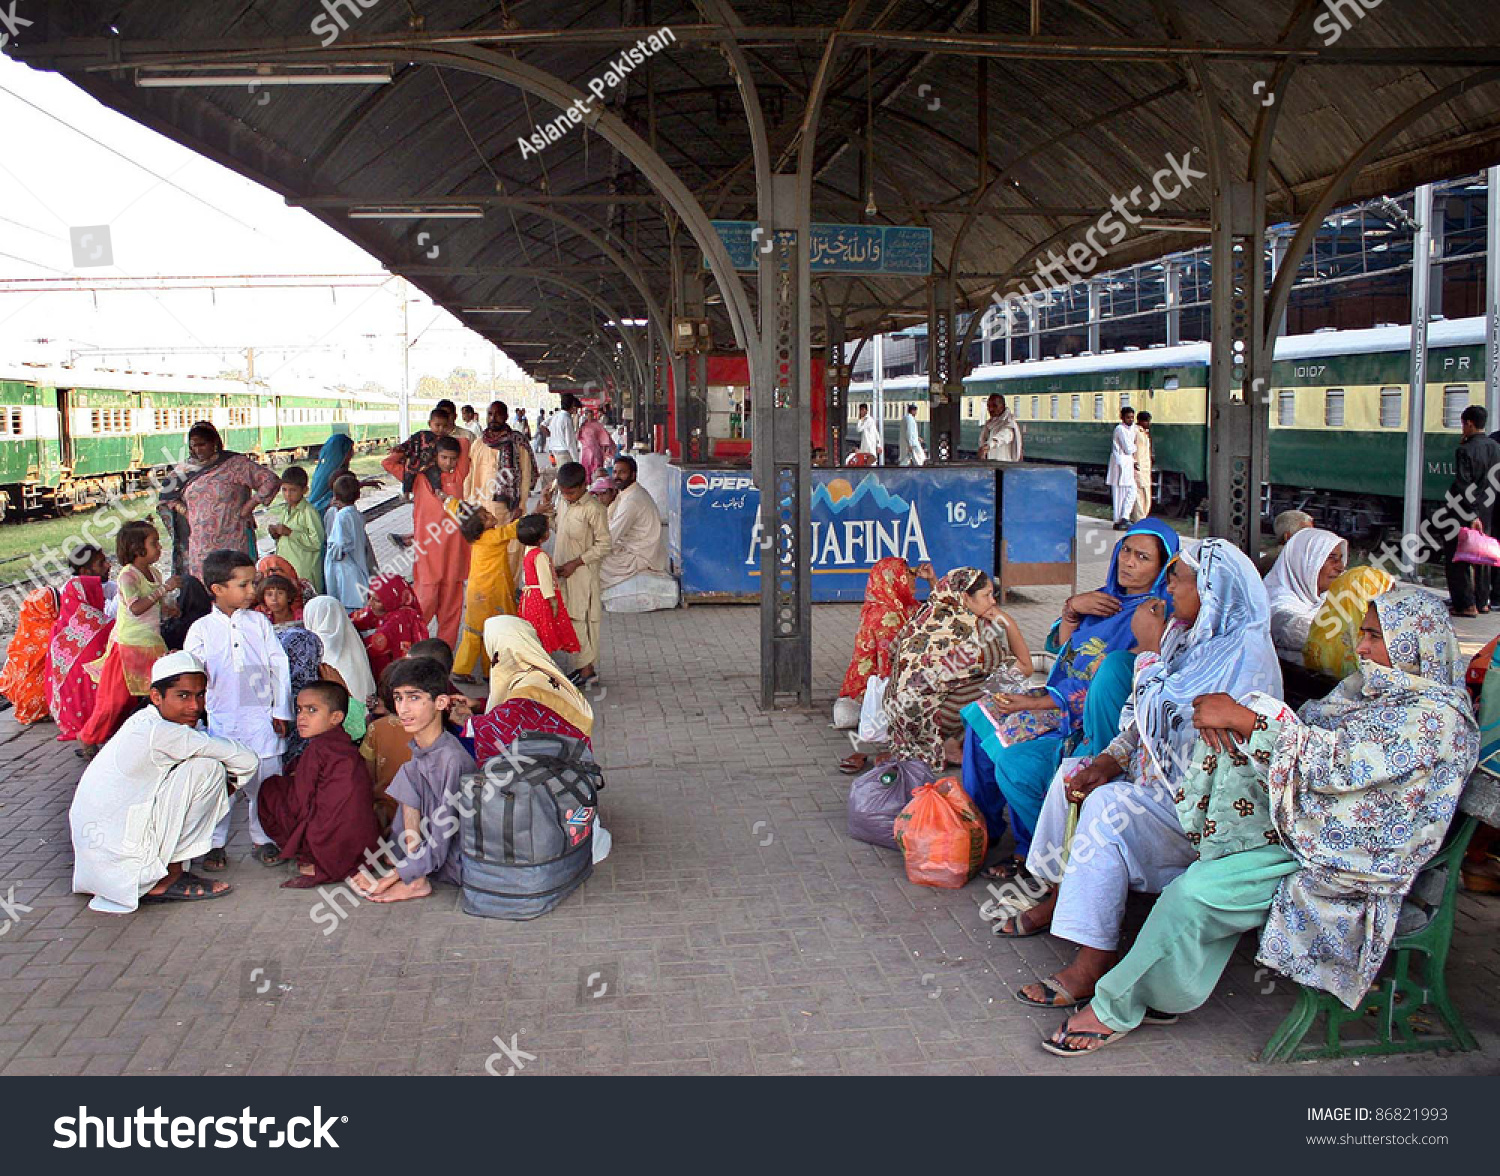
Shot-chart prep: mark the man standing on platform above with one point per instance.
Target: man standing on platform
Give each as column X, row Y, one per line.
column 1121, row 474
column 1000, row 439
column 562, row 432
column 1473, row 492
column 912, row 453
column 869, row 437
column 1142, row 468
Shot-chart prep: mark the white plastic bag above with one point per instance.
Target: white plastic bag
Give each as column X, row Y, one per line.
column 873, row 726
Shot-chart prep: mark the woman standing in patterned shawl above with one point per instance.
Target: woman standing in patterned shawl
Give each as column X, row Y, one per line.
column 940, row 661
column 1079, row 711
column 1355, row 796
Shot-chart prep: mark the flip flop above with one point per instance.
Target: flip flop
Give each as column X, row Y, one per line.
column 999, row 928
column 849, row 767
column 1051, row 985
column 214, row 861
column 181, row 890
column 268, row 855
column 1063, row 1050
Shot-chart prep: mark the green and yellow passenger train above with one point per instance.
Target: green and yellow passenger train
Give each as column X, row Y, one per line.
column 1338, row 403
column 72, row 437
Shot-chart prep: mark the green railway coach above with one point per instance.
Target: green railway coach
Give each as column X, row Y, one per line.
column 1338, row 403
column 71, row 437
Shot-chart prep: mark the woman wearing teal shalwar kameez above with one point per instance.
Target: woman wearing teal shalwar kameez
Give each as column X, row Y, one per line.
column 1079, row 712
column 1313, row 825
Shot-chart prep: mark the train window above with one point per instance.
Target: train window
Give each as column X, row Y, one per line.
column 1124, row 399
column 1054, row 408
column 1455, row 400
column 1077, row 408
column 1333, row 408
column 15, row 420
column 1099, row 406
column 1036, row 406
column 1286, row 408
column 1390, row 408
column 1171, row 384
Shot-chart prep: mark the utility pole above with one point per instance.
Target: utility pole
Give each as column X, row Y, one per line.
column 405, row 366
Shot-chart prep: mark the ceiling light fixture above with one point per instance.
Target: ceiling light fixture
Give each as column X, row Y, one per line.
column 261, row 76
column 417, row 212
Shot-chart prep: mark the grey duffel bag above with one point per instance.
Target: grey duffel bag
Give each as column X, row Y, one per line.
column 528, row 827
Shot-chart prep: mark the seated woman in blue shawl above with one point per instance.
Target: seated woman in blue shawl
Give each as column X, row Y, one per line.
column 1014, row 743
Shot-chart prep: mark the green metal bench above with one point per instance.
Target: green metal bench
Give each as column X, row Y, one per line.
column 1411, row 989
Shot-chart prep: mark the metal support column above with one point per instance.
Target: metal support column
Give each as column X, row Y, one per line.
column 836, row 385
column 1416, row 412
column 942, row 372
column 1010, row 335
column 1239, row 367
column 1172, row 272
column 877, row 391
column 1492, row 299
column 1439, row 232
column 782, row 449
column 1034, row 331
column 1279, row 245
column 1096, row 314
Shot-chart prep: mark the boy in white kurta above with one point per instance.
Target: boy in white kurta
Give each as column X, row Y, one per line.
column 249, row 686
column 148, row 802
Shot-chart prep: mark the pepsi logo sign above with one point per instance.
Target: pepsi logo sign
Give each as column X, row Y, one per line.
column 697, row 485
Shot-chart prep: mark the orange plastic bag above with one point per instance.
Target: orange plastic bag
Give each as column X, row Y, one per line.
column 942, row 835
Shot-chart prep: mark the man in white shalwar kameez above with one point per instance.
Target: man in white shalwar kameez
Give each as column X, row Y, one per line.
column 148, row 802
column 1121, row 475
column 636, row 544
column 869, row 435
column 912, row 453
column 1000, row 437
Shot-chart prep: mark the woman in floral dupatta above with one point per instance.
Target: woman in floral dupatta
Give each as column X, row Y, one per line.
column 940, row 661
column 890, row 601
column 1011, row 764
column 390, row 624
column 78, row 638
column 1355, row 795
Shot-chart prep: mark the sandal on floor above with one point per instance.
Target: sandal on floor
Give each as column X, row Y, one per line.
column 1005, row 870
column 214, row 861
column 1058, row 1045
column 1069, row 1001
column 1156, row 1017
column 853, row 765
column 1019, row 932
column 268, row 855
column 301, row 882
column 182, row 890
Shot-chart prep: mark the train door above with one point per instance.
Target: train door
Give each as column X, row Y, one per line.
column 64, row 430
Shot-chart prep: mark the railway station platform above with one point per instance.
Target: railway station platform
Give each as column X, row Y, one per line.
column 735, row 928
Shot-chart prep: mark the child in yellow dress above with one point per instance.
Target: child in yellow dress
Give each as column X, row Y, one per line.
column 489, row 531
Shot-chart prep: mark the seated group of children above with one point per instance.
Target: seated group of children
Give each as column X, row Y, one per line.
column 320, row 811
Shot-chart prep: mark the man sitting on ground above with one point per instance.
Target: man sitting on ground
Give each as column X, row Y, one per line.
column 635, row 531
column 149, row 801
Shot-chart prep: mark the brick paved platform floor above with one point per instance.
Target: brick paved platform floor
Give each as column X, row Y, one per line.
column 734, row 929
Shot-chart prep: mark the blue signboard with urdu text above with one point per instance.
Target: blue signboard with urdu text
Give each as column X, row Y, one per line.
column 942, row 516
column 839, row 249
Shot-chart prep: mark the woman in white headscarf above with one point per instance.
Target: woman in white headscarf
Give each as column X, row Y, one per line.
column 1295, row 586
column 344, row 652
column 1128, row 836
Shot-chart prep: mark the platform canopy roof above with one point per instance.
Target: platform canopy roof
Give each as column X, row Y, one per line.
column 1006, row 127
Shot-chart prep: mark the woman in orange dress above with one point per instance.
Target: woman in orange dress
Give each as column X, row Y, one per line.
column 23, row 680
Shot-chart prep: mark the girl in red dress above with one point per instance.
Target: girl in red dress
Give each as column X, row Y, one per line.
column 541, row 602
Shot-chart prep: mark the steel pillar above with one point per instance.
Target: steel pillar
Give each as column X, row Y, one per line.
column 1416, row 418
column 942, row 371
column 877, row 390
column 1173, row 293
column 1492, row 299
column 836, row 385
column 1439, row 233
column 1239, row 365
column 782, row 448
column 1096, row 313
